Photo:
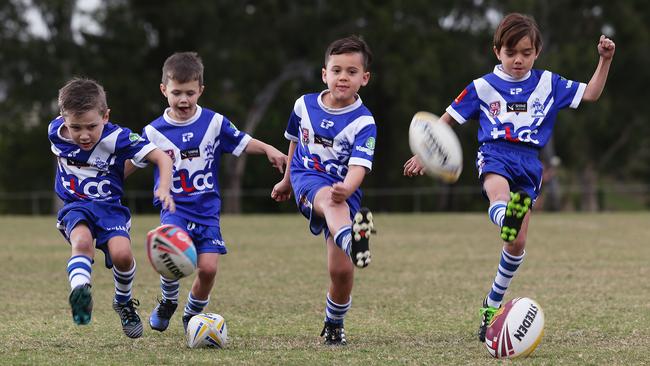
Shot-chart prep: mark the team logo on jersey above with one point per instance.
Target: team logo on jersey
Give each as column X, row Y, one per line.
column 327, row 142
column 190, row 153
column 517, row 107
column 515, row 91
column 370, row 143
column 538, row 108
column 305, row 136
column 134, row 137
column 74, row 153
column 100, row 164
column 187, row 136
column 326, row 124
column 495, row 108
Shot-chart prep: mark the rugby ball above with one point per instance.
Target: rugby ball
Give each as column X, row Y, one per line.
column 516, row 329
column 207, row 330
column 437, row 147
column 171, row 251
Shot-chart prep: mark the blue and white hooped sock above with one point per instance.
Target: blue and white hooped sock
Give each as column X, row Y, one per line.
column 194, row 306
column 79, row 270
column 335, row 313
column 497, row 212
column 123, row 283
column 343, row 238
column 507, row 267
column 169, row 289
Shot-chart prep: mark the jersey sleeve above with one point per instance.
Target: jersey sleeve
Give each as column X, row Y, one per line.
column 293, row 126
column 144, row 162
column 363, row 150
column 132, row 146
column 466, row 105
column 567, row 93
column 232, row 140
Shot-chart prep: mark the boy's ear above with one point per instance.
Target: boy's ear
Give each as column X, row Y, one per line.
column 163, row 89
column 324, row 75
column 496, row 52
column 105, row 116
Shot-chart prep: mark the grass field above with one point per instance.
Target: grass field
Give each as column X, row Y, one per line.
column 416, row 304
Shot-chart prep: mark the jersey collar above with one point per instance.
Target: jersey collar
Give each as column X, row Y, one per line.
column 498, row 71
column 357, row 103
column 174, row 122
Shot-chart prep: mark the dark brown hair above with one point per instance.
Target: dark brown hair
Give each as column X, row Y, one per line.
column 513, row 28
column 351, row 44
column 80, row 95
column 183, row 67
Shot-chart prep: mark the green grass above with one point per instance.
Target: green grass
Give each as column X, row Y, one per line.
column 416, row 304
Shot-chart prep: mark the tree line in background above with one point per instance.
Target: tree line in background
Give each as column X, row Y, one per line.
column 260, row 56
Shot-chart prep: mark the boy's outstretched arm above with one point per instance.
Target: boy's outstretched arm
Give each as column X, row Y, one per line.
column 129, row 168
column 277, row 159
column 342, row 190
column 282, row 190
column 164, row 163
column 606, row 48
column 413, row 166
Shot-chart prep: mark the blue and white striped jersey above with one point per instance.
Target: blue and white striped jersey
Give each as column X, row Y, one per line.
column 196, row 147
column 329, row 140
column 522, row 110
column 98, row 174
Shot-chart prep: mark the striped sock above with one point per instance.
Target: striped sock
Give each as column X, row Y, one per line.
column 169, row 289
column 507, row 268
column 343, row 238
column 194, row 306
column 335, row 313
column 79, row 270
column 497, row 212
column 123, row 283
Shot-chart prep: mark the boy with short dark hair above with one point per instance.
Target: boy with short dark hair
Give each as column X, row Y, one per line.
column 332, row 145
column 91, row 154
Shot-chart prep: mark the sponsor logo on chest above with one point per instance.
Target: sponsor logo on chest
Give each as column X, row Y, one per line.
column 190, row 153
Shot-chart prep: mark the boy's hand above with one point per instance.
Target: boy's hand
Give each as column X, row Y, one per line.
column 413, row 167
column 277, row 159
column 340, row 192
column 166, row 200
column 606, row 47
column 281, row 191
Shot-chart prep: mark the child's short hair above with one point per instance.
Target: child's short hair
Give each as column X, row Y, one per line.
column 183, row 67
column 513, row 28
column 80, row 95
column 351, row 44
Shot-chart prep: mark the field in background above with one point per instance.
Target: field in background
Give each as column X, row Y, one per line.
column 416, row 304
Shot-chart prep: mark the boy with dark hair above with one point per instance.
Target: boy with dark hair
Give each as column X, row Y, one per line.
column 91, row 154
column 332, row 144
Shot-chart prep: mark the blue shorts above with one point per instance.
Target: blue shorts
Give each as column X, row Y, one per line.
column 519, row 164
column 206, row 238
column 104, row 219
column 305, row 186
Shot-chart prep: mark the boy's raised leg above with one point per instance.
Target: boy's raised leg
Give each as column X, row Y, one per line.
column 81, row 303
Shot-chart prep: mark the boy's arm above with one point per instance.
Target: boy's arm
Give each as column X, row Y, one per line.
column 414, row 166
column 164, row 163
column 129, row 168
column 342, row 190
column 276, row 158
column 282, row 190
column 606, row 48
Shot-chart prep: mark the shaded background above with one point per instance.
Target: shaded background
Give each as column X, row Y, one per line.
column 260, row 56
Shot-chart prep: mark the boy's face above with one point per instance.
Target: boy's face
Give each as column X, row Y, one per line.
column 85, row 129
column 182, row 98
column 344, row 75
column 519, row 60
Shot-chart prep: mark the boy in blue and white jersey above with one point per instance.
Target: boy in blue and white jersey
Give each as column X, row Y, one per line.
column 332, row 145
column 516, row 107
column 91, row 153
column 195, row 138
